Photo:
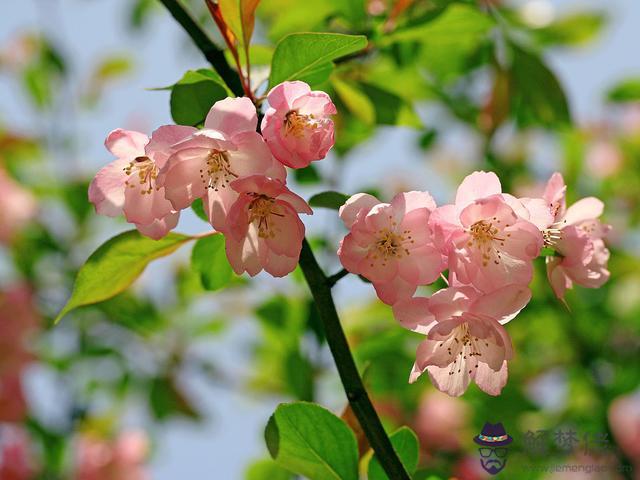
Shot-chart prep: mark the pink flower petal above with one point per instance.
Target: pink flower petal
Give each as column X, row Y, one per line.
column 502, row 304
column 160, row 227
column 476, row 186
column 232, row 116
column 414, row 314
column 360, row 202
column 409, row 201
column 106, row 190
column 583, row 210
column 126, row 143
column 282, row 96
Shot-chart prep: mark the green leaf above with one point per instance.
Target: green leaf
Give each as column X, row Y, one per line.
column 354, row 11
column 308, row 56
column 330, row 199
column 538, row 98
column 405, row 443
column 194, row 94
column 626, row 91
column 299, row 375
column 572, row 30
column 266, row 469
column 448, row 40
column 115, row 265
column 390, row 108
column 259, row 55
column 355, row 100
column 166, row 400
column 458, row 23
column 113, row 67
column 209, row 259
column 311, row 441
column 307, row 175
column 198, row 207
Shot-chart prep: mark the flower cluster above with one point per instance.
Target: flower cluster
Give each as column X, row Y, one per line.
column 238, row 173
column 487, row 241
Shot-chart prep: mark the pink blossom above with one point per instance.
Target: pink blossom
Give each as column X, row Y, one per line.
column 13, row 406
column 265, row 231
column 578, row 237
column 15, row 458
column 604, row 159
column 18, row 322
column 17, row 207
column 297, row 126
column 624, row 420
column 129, row 184
column 465, row 337
column 228, row 148
column 390, row 243
column 122, row 459
column 487, row 243
column 441, row 422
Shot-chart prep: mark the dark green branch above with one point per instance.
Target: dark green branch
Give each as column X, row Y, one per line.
column 212, row 53
column 319, row 285
column 335, row 278
column 351, row 381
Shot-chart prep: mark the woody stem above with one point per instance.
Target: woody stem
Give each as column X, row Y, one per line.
column 320, row 286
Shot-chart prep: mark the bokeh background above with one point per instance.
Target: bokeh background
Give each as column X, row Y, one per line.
column 169, row 380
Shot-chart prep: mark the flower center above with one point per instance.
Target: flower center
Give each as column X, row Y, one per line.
column 462, row 346
column 260, row 209
column 217, row 171
column 484, row 235
column 389, row 245
column 146, row 172
column 295, row 123
column 551, row 236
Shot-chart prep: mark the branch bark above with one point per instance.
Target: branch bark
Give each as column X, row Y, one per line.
column 212, row 53
column 358, row 398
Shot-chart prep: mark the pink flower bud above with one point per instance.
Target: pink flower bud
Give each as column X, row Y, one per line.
column 297, row 126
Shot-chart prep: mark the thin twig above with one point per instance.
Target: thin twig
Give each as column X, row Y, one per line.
column 333, row 279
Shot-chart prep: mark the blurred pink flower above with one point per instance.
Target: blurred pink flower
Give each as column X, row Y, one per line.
column 390, row 243
column 604, row 159
column 122, row 459
column 488, row 244
column 624, row 420
column 264, row 230
column 441, row 422
column 465, row 337
column 578, row 236
column 469, row 468
column 13, row 406
column 15, row 461
column 129, row 184
column 18, row 321
column 204, row 165
column 631, row 119
column 296, row 125
column 17, row 207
